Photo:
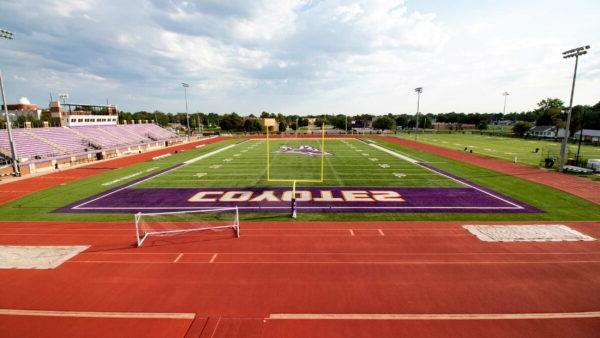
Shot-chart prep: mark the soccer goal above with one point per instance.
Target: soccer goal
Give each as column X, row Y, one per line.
column 181, row 222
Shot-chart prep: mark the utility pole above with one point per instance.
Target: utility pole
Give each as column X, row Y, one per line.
column 576, row 53
column 13, row 149
column 346, row 115
column 419, row 90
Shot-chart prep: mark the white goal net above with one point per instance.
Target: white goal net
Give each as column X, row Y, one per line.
column 182, row 222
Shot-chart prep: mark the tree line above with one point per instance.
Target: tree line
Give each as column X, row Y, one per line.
column 548, row 112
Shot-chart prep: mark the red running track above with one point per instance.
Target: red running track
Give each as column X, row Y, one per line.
column 390, row 276
column 581, row 187
column 21, row 187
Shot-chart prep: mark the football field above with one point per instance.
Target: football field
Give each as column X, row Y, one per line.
column 340, row 175
column 362, row 179
column 347, row 163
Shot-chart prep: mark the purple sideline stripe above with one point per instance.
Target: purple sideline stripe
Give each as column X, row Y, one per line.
column 473, row 199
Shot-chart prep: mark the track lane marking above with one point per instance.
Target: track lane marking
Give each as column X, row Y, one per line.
column 96, row 314
column 423, row 262
column 448, row 316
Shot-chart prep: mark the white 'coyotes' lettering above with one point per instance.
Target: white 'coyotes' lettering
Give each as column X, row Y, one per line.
column 301, row 196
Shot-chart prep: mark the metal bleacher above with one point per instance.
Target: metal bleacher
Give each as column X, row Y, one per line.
column 53, row 142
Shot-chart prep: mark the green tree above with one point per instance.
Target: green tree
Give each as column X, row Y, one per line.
column 384, row 123
column 549, row 112
column 521, row 127
column 282, row 127
column 302, row 122
column 402, row 121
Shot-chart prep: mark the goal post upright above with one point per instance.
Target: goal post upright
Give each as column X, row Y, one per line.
column 268, row 157
column 322, row 149
column 294, row 182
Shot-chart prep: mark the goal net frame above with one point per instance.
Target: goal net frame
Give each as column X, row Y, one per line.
column 142, row 235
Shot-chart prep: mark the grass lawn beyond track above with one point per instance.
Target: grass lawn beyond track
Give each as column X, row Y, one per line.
column 347, row 166
column 505, row 148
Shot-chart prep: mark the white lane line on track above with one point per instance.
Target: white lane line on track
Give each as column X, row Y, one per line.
column 94, row 314
column 421, row 262
column 436, row 316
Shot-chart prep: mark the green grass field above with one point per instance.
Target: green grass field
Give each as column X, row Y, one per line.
column 353, row 163
column 505, row 148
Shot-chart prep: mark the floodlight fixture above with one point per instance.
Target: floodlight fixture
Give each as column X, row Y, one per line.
column 576, row 53
column 7, row 34
column 11, row 142
column 63, row 97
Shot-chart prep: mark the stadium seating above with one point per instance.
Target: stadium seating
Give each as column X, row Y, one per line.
column 44, row 143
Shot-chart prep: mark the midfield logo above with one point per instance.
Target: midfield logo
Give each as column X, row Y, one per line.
column 304, row 150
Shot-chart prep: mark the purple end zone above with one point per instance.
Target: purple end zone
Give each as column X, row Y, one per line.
column 469, row 199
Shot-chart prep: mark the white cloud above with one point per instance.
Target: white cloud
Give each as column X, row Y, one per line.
column 295, row 55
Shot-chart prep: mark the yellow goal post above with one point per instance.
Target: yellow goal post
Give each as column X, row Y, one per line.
column 294, row 181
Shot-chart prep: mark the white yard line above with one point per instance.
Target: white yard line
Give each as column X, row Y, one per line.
column 165, row 172
column 415, row 162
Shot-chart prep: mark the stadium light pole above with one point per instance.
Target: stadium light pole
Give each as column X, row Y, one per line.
column 419, row 90
column 13, row 149
column 346, row 116
column 576, row 53
column 505, row 94
column 187, row 115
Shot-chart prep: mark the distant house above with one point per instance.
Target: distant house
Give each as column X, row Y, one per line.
column 359, row 124
column 504, row 123
column 546, row 132
column 588, row 135
column 24, row 108
column 269, row 123
column 452, row 126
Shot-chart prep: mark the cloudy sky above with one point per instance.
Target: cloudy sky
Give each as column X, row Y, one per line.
column 300, row 56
